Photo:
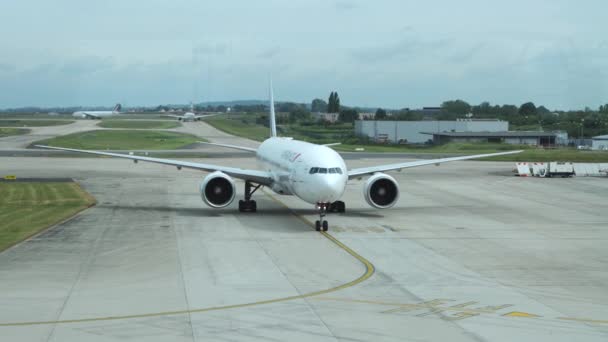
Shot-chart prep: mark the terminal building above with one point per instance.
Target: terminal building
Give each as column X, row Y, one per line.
column 412, row 131
column 513, row 137
column 600, row 142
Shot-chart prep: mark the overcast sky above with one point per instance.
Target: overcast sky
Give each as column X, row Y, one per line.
column 374, row 53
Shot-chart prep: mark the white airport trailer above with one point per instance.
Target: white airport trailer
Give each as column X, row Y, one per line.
column 551, row 169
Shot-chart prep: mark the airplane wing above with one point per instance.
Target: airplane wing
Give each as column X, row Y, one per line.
column 206, row 115
column 173, row 116
column 260, row 177
column 356, row 173
column 242, row 148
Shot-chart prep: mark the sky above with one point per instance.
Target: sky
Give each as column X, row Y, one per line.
column 383, row 53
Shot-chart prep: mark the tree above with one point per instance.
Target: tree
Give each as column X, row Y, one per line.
column 337, row 104
column 509, row 111
column 458, row 107
column 527, row 109
column 380, row 114
column 318, row 106
column 348, row 115
column 333, row 104
column 299, row 114
column 542, row 110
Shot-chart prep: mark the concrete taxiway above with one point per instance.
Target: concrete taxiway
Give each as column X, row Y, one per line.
column 470, row 253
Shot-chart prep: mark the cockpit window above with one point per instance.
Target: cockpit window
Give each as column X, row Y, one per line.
column 332, row 170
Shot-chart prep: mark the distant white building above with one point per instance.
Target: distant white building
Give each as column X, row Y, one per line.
column 367, row 116
column 330, row 117
column 414, row 131
column 600, row 142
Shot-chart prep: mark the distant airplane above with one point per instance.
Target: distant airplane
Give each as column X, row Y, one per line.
column 190, row 116
column 314, row 173
column 97, row 114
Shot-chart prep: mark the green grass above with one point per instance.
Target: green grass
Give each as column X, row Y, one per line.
column 142, row 124
column 235, row 126
column 6, row 132
column 28, row 208
column 122, row 140
column 33, row 123
column 245, row 126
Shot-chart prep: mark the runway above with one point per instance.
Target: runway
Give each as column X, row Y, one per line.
column 468, row 254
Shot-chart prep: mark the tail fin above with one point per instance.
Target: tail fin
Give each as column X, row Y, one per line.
column 117, row 108
column 273, row 126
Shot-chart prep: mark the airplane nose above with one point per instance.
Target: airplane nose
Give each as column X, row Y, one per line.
column 331, row 188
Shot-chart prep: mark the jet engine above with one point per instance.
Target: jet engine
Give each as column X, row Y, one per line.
column 217, row 190
column 381, row 191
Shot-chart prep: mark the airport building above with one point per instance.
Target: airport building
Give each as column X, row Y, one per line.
column 411, row 131
column 513, row 137
column 600, row 142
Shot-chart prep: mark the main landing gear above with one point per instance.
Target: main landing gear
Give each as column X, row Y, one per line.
column 249, row 205
column 335, row 207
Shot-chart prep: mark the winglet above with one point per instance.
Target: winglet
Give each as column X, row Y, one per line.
column 273, row 126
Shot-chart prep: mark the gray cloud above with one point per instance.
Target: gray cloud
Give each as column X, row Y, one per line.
column 390, row 53
column 345, row 5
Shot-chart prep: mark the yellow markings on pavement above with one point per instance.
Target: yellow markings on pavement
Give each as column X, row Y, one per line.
column 369, row 271
column 520, row 314
column 430, row 307
column 584, row 320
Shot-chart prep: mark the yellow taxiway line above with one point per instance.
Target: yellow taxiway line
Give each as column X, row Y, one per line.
column 369, row 271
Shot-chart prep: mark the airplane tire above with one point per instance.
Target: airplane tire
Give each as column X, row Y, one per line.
column 325, row 226
column 317, row 225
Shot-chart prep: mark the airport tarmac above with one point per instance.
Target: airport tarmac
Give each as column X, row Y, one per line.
column 199, row 128
column 470, row 253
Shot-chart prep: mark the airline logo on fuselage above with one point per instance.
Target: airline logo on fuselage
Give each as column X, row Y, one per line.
column 290, row 156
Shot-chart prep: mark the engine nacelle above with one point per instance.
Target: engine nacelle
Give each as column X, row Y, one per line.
column 217, row 190
column 381, row 191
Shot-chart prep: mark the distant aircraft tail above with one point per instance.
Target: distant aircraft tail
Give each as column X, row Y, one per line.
column 117, row 108
column 273, row 125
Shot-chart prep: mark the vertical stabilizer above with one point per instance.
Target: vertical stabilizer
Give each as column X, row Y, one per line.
column 117, row 108
column 273, row 125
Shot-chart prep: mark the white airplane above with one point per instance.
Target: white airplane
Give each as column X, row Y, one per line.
column 97, row 114
column 189, row 116
column 314, row 173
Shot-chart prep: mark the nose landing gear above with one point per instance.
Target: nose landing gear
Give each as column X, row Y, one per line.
column 321, row 223
column 335, row 207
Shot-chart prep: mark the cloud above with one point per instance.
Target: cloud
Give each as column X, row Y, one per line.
column 345, row 5
column 6, row 67
column 405, row 47
column 211, row 49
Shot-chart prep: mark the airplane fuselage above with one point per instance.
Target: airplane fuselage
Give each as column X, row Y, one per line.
column 314, row 173
column 188, row 117
column 93, row 114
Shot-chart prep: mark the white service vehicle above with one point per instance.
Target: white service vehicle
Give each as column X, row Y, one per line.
column 560, row 169
column 314, row 173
